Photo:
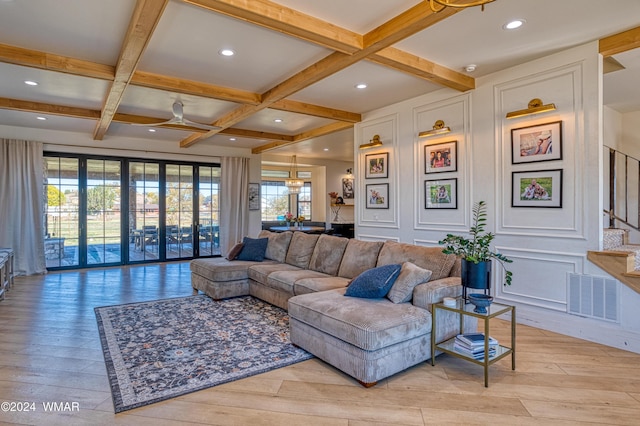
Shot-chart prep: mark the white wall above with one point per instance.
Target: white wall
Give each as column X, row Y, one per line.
column 545, row 243
column 630, row 138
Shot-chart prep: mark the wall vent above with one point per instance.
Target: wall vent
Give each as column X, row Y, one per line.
column 594, row 297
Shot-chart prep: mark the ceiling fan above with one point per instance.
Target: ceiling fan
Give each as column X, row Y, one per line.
column 179, row 120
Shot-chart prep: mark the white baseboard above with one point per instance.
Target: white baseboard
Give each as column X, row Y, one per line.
column 605, row 333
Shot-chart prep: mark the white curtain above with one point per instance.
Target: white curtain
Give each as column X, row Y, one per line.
column 22, row 204
column 234, row 201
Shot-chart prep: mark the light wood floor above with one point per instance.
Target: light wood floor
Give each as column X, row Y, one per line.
column 50, row 352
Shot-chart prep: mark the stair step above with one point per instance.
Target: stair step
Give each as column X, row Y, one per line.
column 630, row 248
column 614, row 238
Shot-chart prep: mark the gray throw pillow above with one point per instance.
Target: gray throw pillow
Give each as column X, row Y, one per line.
column 410, row 276
column 374, row 283
column 253, row 249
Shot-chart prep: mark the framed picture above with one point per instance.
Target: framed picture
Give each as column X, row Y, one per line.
column 254, row 196
column 347, row 188
column 536, row 143
column 377, row 165
column 378, row 196
column 441, row 157
column 539, row 188
column 441, row 194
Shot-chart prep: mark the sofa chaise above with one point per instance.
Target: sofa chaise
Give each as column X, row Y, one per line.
column 308, row 275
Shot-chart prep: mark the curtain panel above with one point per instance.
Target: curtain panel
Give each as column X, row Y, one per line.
column 234, row 200
column 22, row 206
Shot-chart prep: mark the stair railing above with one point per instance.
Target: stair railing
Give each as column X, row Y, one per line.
column 618, row 159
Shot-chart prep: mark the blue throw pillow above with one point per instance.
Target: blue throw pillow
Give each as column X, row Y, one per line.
column 253, row 249
column 374, row 283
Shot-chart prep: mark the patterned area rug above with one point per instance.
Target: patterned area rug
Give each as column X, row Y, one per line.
column 166, row 348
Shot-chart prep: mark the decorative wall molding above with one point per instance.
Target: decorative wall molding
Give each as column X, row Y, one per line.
column 564, row 87
column 365, row 237
column 535, row 276
column 387, row 128
column 455, row 112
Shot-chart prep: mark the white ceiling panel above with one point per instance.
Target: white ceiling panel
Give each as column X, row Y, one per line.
column 291, row 124
column 53, row 87
column 158, row 103
column 89, row 30
column 188, row 38
column 384, row 87
column 475, row 37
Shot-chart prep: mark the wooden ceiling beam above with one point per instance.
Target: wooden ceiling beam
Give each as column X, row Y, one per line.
column 316, row 111
column 404, row 25
column 287, row 21
column 182, row 86
column 146, row 16
column 419, row 67
column 320, row 131
column 44, row 108
column 621, row 42
column 91, row 114
column 50, row 62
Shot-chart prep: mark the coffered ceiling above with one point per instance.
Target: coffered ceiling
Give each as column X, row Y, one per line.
column 103, row 66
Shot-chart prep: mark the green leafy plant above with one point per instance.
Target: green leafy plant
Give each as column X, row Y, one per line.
column 477, row 248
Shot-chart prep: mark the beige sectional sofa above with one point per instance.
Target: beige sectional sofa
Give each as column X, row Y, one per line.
column 307, row 274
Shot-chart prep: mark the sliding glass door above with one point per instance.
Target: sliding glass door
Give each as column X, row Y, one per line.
column 62, row 192
column 83, row 216
column 144, row 211
column 102, row 212
column 208, row 210
column 119, row 211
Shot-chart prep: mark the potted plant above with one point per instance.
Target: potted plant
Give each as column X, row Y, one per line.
column 476, row 252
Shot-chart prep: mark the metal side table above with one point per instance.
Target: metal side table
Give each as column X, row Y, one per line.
column 464, row 309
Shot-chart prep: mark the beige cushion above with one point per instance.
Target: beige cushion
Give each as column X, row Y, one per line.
column 259, row 272
column 358, row 257
column 431, row 258
column 410, row 276
column 285, row 280
column 301, row 249
column 313, row 285
column 220, row 269
column 278, row 244
column 369, row 324
column 327, row 254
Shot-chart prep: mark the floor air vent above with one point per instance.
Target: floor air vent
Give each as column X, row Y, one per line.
column 594, row 297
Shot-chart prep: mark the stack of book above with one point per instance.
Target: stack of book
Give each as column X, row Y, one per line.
column 472, row 344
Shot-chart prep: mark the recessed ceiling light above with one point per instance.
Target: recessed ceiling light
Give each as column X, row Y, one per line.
column 152, row 130
column 361, row 86
column 232, row 139
column 41, row 118
column 512, row 25
column 278, row 120
column 326, row 149
column 227, row 52
column 30, row 83
column 470, row 68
